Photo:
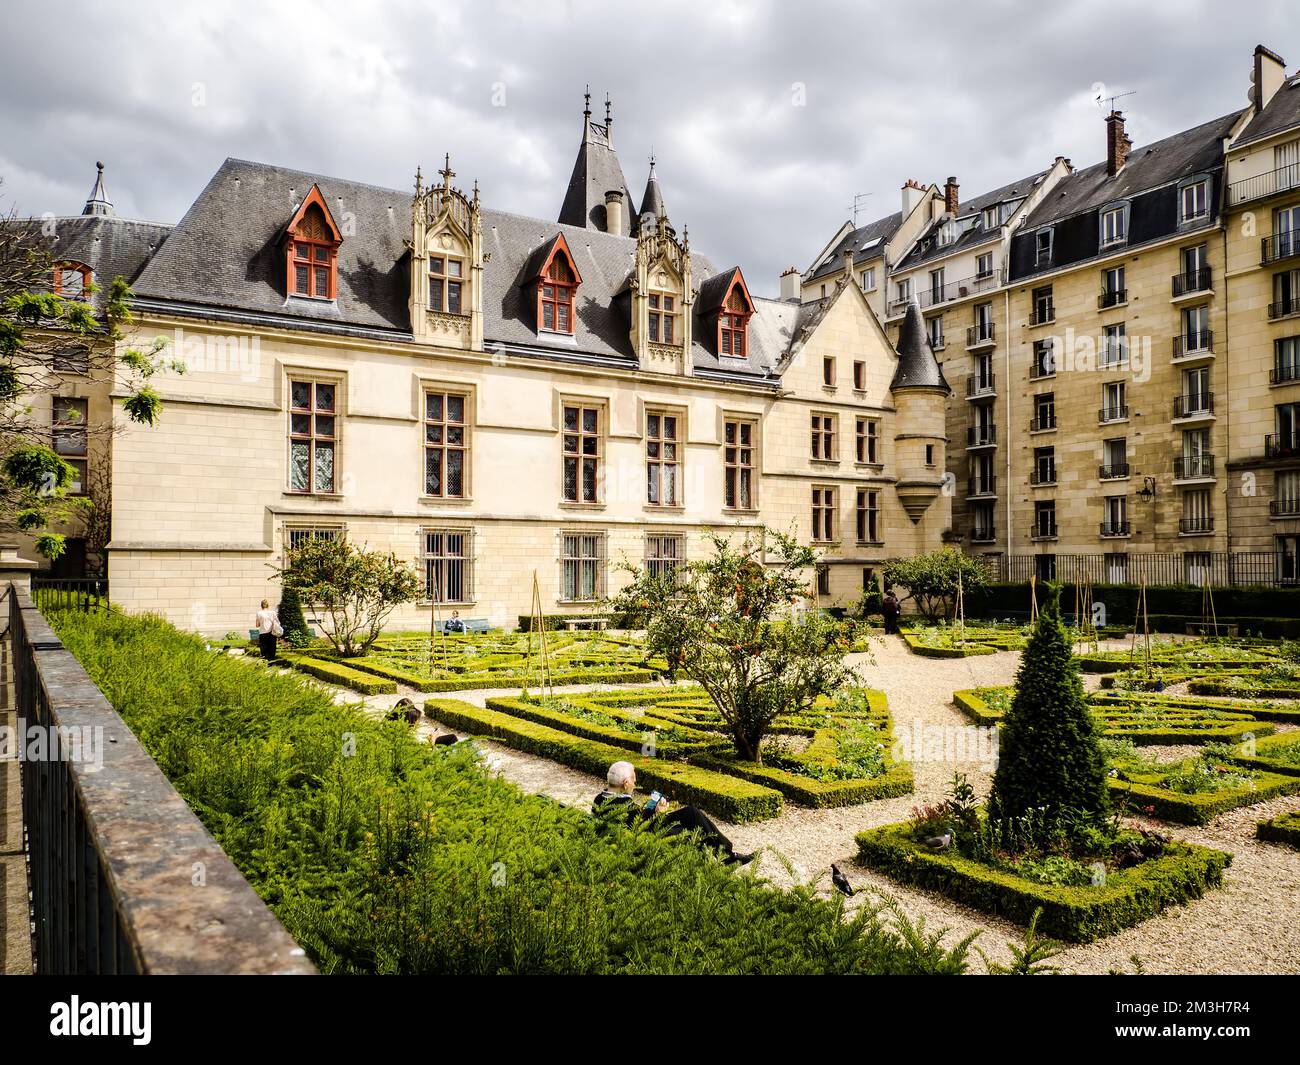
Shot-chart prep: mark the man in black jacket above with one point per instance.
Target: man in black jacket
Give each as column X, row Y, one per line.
column 616, row 801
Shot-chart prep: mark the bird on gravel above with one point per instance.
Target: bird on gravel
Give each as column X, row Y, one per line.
column 939, row 843
column 841, row 881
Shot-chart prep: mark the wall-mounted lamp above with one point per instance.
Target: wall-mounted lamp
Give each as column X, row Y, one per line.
column 1148, row 490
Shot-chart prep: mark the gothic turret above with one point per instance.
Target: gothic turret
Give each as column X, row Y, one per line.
column 921, row 398
column 596, row 172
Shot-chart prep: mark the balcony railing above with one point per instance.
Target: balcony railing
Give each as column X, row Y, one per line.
column 104, row 826
column 1113, row 414
column 1284, row 508
column 1284, row 308
column 981, row 436
column 1190, row 344
column 1281, row 445
column 1193, row 404
column 981, row 385
column 1116, row 528
column 979, row 335
column 1046, row 368
column 983, row 535
column 982, row 486
column 1040, row 476
column 1193, row 526
column 1278, row 247
column 1193, row 467
column 1112, row 471
column 1112, row 297
column 1186, row 282
column 1042, row 422
column 1261, row 185
column 1043, row 313
column 1282, row 373
column 934, row 295
column 1043, row 530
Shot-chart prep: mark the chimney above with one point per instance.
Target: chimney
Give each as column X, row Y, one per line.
column 790, row 286
column 1266, row 76
column 614, row 211
column 848, row 263
column 950, row 200
column 912, row 195
column 1117, row 143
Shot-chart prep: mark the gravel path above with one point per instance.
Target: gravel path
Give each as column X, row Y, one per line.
column 1248, row 926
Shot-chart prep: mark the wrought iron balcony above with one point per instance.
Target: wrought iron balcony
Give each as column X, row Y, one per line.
column 1112, row 471
column 1282, row 445
column 982, row 436
column 1040, row 476
column 1043, row 530
column 1193, row 467
column 982, row 486
column 978, row 336
column 1261, row 186
column 1187, row 282
column 1112, row 297
column 1193, row 404
column 1195, row 526
column 983, row 535
column 1042, row 422
column 1284, row 308
column 1278, row 247
column 1285, row 508
column 1190, row 345
column 1116, row 528
column 1283, row 373
column 1043, row 313
column 1116, row 413
column 981, row 385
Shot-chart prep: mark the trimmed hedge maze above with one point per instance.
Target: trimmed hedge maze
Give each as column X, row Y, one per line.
column 1137, row 717
column 1075, row 914
column 461, row 662
column 839, row 754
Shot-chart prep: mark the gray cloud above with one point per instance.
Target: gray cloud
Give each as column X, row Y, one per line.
column 987, row 92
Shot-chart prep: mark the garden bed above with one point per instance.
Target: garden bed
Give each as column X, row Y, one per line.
column 1074, row 914
column 1273, row 754
column 1282, row 829
column 1188, row 793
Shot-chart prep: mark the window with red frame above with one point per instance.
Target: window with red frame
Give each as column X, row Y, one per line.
column 555, row 297
column 731, row 325
column 71, row 280
column 312, row 257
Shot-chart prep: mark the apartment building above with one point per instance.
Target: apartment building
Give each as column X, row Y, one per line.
column 496, row 399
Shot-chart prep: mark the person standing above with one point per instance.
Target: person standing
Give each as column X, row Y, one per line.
column 890, row 608
column 268, row 628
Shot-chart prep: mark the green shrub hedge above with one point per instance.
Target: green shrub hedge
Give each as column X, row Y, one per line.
column 808, row 791
column 728, row 797
column 630, row 733
column 1255, row 608
column 1267, row 755
column 383, row 854
column 1282, row 829
column 344, row 676
column 1142, row 791
column 1075, row 914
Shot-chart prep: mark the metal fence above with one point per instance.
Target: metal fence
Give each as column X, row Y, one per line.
column 1218, row 569
column 57, row 593
column 123, row 876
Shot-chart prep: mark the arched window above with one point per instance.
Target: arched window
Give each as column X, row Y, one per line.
column 732, row 323
column 556, row 297
column 71, row 280
column 312, row 250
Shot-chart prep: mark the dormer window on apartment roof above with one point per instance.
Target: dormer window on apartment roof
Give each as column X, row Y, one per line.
column 311, row 250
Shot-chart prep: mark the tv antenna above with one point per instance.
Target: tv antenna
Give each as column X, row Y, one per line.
column 858, row 197
column 1101, row 96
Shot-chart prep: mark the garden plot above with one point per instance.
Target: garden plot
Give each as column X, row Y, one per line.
column 1133, row 716
column 465, row 662
column 1284, row 828
column 837, row 754
column 1193, row 791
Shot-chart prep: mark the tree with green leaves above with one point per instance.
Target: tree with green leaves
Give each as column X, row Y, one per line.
column 728, row 622
column 1049, row 754
column 37, row 328
column 292, row 621
column 932, row 580
column 355, row 589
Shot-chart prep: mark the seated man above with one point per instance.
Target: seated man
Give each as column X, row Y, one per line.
column 454, row 624
column 621, row 779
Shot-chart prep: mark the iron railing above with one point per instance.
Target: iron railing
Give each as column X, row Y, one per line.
column 1117, row 413
column 1279, row 246
column 982, row 486
column 1112, row 471
column 981, row 435
column 1220, row 569
column 57, row 593
column 113, row 850
column 1281, row 445
column 981, row 385
column 1283, row 179
column 1192, row 467
column 1284, row 508
column 1283, row 372
column 1111, row 297
column 1196, row 526
column 1192, row 404
column 1116, row 528
column 979, row 335
column 1199, row 342
column 1187, row 282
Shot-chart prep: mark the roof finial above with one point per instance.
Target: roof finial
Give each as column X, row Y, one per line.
column 476, row 192
column 98, row 202
column 419, row 180
column 447, row 172
column 586, row 107
column 608, row 116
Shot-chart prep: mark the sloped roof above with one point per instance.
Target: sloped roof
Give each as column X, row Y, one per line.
column 596, row 171
column 928, row 247
column 112, row 247
column 917, row 366
column 868, row 242
column 1279, row 114
column 652, row 203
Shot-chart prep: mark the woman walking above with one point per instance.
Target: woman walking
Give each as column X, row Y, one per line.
column 268, row 628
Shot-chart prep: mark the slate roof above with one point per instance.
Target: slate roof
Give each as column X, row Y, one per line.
column 112, row 247
column 1280, row 113
column 595, row 172
column 652, row 203
column 928, row 247
column 917, row 366
column 1193, row 151
column 225, row 257
column 868, row 242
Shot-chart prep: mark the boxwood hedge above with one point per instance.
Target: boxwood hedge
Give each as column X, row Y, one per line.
column 1282, row 829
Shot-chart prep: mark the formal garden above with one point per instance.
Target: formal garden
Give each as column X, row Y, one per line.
column 1121, row 765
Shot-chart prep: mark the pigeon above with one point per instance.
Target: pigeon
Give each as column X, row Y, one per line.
column 939, row 843
column 447, row 739
column 841, row 881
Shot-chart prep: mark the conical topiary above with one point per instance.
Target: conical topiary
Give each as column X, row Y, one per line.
column 291, row 618
column 1048, row 754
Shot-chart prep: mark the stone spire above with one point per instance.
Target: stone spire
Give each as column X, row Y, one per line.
column 99, row 203
column 652, row 203
column 596, row 171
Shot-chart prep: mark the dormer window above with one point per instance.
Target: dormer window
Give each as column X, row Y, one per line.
column 556, row 297
column 554, row 276
column 1114, row 225
column 732, row 324
column 1194, row 201
column 1042, row 247
column 446, row 284
column 990, row 218
column 311, row 249
column 71, row 280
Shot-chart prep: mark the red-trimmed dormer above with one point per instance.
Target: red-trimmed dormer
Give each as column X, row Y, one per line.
column 311, row 249
column 553, row 275
column 725, row 299
column 72, row 280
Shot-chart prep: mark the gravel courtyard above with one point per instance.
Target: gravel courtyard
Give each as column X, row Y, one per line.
column 1248, row 926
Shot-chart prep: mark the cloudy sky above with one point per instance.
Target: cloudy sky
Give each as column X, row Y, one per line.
column 767, row 118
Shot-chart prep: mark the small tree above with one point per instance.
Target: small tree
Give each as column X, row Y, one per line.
column 291, row 618
column 726, row 622
column 1049, row 755
column 932, row 579
column 357, row 589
